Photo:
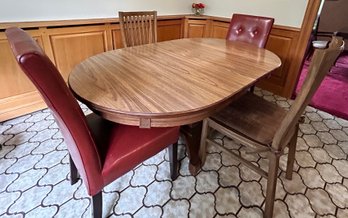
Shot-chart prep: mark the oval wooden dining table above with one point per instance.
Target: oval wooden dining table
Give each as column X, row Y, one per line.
column 171, row 83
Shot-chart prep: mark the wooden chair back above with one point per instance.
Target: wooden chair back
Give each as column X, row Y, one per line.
column 138, row 28
column 322, row 61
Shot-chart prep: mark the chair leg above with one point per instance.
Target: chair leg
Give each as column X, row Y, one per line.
column 97, row 205
column 203, row 145
column 173, row 160
column 252, row 88
column 271, row 184
column 73, row 172
column 291, row 155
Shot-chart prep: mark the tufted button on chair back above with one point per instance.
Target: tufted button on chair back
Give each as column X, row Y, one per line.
column 251, row 29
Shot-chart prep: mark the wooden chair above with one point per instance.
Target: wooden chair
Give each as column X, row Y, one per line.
column 265, row 127
column 250, row 29
column 138, row 28
column 100, row 151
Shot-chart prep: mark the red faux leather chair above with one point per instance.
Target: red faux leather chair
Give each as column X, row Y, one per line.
column 101, row 150
column 251, row 29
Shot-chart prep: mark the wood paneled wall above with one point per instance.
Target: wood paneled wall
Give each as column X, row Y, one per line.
column 67, row 43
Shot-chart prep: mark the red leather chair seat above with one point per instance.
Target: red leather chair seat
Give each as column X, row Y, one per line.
column 123, row 147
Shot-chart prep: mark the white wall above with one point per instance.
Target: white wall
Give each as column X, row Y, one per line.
column 38, row 10
column 285, row 12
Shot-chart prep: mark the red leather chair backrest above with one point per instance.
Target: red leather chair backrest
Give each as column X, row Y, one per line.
column 250, row 29
column 59, row 99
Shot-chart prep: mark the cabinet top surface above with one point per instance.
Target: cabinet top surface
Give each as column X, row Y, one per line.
column 169, row 83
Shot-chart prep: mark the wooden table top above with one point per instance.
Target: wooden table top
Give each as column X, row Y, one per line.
column 170, row 83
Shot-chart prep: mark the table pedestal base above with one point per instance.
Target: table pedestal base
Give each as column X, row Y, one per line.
column 192, row 134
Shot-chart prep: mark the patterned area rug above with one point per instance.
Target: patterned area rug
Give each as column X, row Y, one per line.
column 34, row 173
column 332, row 95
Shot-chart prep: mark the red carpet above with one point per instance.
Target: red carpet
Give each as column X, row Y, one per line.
column 332, row 95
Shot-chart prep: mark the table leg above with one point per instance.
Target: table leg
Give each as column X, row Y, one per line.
column 192, row 134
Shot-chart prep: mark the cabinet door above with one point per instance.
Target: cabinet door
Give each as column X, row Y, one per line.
column 72, row 45
column 169, row 30
column 116, row 36
column 282, row 42
column 219, row 29
column 17, row 93
column 197, row 29
column 11, row 72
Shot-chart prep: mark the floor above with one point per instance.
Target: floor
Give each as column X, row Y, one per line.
column 332, row 95
column 34, row 174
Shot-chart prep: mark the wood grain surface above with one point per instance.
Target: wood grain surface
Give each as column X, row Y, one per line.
column 169, row 83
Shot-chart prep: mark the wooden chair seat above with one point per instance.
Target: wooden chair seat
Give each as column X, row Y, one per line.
column 247, row 114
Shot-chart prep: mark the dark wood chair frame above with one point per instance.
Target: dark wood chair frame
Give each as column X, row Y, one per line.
column 286, row 134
